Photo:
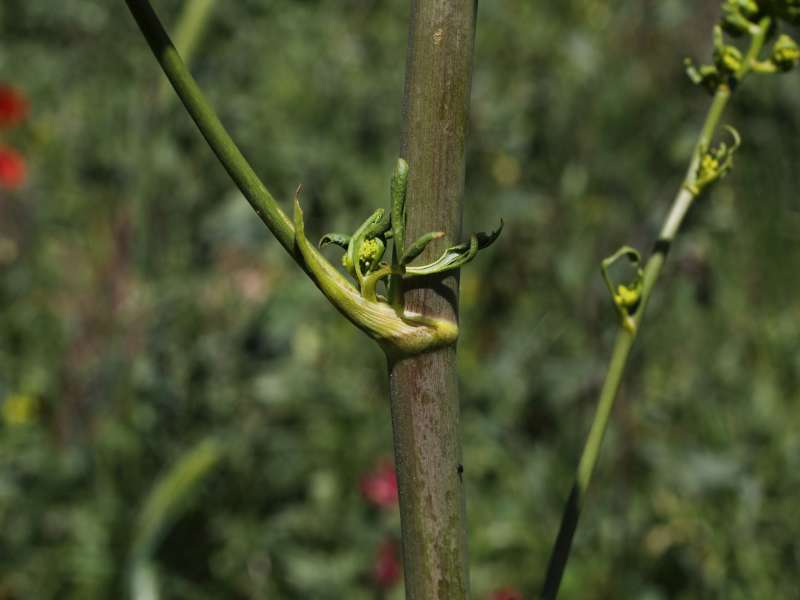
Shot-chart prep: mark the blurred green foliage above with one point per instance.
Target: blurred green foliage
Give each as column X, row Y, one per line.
column 144, row 308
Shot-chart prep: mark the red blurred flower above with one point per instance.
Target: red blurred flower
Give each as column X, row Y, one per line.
column 13, row 106
column 379, row 486
column 386, row 570
column 12, row 168
column 507, row 593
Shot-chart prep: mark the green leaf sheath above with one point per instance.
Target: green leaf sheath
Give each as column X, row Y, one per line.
column 398, row 334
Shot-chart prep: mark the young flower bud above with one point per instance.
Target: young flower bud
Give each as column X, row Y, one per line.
column 714, row 163
column 749, row 8
column 728, row 59
column 737, row 15
column 628, row 296
column 709, row 165
column 705, row 75
column 785, row 53
column 370, row 253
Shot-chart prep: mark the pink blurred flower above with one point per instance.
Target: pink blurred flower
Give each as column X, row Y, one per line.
column 386, row 570
column 379, row 486
column 507, row 593
column 12, row 168
column 13, row 106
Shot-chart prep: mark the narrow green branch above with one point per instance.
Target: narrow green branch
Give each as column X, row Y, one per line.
column 210, row 126
column 192, row 24
column 628, row 332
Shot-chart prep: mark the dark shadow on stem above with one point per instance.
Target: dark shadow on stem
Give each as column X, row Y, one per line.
column 561, row 549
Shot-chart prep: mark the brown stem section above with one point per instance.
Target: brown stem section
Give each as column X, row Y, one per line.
column 424, row 388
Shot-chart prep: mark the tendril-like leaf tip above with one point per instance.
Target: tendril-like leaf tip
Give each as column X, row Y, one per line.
column 715, row 163
column 626, row 297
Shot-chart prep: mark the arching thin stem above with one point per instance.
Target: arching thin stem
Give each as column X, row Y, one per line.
column 210, row 126
column 627, row 334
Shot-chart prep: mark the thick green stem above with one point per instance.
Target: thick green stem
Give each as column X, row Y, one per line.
column 424, row 389
column 627, row 336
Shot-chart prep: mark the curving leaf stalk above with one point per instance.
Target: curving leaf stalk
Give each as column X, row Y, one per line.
column 400, row 332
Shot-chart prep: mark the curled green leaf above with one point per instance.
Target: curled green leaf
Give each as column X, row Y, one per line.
column 380, row 227
column 452, row 258
column 706, row 76
column 626, row 297
column 457, row 256
column 337, row 239
column 415, row 249
column 487, row 239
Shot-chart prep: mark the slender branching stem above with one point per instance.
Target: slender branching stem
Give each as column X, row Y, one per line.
column 210, row 126
column 627, row 335
column 192, row 24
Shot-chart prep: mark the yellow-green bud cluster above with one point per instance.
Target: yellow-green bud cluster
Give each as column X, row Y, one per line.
column 715, row 163
column 370, row 252
column 728, row 63
column 705, row 75
column 709, row 166
column 628, row 296
column 785, row 53
column 727, row 59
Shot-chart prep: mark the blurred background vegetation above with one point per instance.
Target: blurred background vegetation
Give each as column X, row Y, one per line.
column 146, row 313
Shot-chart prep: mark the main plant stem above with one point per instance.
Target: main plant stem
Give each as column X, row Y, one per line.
column 626, row 336
column 424, row 388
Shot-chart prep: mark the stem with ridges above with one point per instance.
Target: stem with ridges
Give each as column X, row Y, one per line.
column 424, row 389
